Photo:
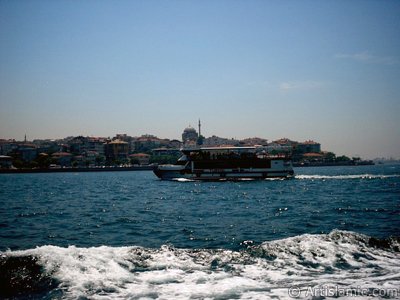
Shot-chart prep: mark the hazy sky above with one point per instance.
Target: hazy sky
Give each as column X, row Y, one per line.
column 322, row 70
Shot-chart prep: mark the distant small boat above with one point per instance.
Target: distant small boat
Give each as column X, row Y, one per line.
column 227, row 163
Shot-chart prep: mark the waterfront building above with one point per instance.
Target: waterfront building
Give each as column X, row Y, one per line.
column 63, row 159
column 286, row 142
column 254, row 141
column 27, row 152
column 50, row 146
column 308, row 147
column 7, row 146
column 146, row 143
column 141, row 158
column 278, row 148
column 166, row 151
column 92, row 156
column 78, row 145
column 123, row 137
column 96, row 144
column 79, row 160
column 116, row 150
column 215, row 141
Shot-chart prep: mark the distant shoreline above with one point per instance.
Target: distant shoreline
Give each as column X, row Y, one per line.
column 65, row 170
column 145, row 168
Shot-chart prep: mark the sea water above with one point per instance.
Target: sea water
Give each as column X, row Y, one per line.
column 329, row 232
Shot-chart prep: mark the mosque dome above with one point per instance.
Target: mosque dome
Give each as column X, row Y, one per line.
column 189, row 129
column 189, row 134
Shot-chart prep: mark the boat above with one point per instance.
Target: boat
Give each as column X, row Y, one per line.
column 227, row 163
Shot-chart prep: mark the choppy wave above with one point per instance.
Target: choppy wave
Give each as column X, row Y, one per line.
column 341, row 177
column 304, row 264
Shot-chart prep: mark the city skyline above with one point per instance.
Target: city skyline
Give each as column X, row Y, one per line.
column 326, row 71
column 209, row 141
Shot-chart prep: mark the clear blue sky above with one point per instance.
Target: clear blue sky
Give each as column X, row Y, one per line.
column 322, row 70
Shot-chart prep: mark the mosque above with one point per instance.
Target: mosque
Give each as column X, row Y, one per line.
column 190, row 136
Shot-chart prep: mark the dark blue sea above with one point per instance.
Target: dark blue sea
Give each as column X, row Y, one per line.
column 329, row 232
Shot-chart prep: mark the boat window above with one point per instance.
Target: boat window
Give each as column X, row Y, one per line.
column 183, row 158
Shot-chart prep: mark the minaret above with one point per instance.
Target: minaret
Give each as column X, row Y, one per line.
column 25, row 139
column 199, row 128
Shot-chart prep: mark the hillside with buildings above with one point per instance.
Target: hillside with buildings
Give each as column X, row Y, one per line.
column 122, row 149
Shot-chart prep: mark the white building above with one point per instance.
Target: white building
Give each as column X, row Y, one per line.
column 215, row 141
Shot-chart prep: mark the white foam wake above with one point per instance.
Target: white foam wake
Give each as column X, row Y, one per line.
column 342, row 177
column 267, row 271
column 182, row 179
